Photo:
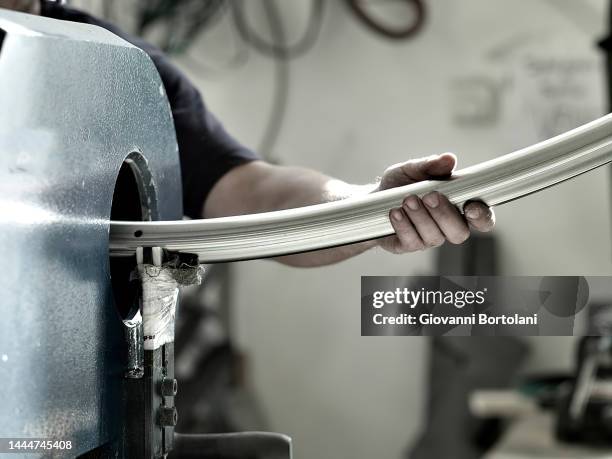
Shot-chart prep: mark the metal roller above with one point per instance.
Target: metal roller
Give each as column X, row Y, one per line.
column 494, row 182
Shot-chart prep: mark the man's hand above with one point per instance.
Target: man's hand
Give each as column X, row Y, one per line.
column 432, row 220
column 260, row 187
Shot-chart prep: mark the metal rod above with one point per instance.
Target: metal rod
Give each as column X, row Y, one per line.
column 367, row 217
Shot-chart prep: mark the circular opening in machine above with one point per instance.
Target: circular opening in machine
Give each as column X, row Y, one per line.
column 134, row 199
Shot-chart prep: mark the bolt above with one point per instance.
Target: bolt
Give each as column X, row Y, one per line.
column 169, row 387
column 168, row 416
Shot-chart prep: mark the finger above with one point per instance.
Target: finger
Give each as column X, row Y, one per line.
column 447, row 217
column 479, row 216
column 437, row 166
column 422, row 221
column 408, row 240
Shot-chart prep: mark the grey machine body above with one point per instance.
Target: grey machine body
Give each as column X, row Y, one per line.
column 76, row 101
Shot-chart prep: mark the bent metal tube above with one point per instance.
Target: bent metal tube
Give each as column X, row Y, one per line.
column 269, row 234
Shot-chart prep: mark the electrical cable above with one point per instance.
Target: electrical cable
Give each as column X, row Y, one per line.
column 282, row 80
column 275, row 49
column 203, row 16
column 108, row 10
column 393, row 33
column 182, row 20
column 238, row 58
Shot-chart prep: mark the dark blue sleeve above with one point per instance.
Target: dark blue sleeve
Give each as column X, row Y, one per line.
column 206, row 150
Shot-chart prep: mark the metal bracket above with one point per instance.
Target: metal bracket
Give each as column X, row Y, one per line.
column 149, row 399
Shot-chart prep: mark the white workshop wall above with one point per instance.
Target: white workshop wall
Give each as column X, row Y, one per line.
column 358, row 104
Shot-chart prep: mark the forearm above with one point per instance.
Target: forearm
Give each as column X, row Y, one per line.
column 261, row 187
column 419, row 222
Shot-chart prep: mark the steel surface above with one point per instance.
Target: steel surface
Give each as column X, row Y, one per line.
column 76, row 100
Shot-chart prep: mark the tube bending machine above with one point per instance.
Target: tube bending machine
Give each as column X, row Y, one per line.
column 89, row 151
column 86, row 342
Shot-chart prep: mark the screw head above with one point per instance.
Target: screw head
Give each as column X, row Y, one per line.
column 169, row 387
column 168, row 416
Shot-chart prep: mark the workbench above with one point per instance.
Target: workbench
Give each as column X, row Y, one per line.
column 532, row 437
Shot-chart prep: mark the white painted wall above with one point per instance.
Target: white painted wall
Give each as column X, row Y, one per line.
column 358, row 104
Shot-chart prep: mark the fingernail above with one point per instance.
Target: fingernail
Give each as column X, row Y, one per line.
column 397, row 215
column 432, row 200
column 412, row 202
column 472, row 213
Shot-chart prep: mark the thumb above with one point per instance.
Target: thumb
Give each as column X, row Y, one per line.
column 439, row 165
column 430, row 167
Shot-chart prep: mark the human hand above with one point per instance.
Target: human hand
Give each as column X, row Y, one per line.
column 432, row 220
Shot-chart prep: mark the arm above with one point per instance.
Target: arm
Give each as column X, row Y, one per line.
column 260, row 187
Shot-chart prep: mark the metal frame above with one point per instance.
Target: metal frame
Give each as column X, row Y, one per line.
column 362, row 218
column 76, row 102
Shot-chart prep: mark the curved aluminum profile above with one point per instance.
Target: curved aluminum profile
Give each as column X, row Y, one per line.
column 367, row 217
